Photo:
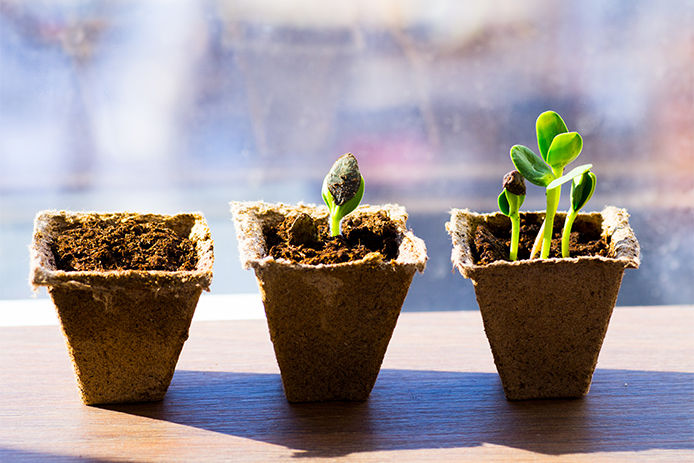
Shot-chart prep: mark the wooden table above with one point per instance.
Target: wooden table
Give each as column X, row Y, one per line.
column 438, row 398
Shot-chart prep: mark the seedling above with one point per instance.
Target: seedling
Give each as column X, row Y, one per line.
column 558, row 148
column 342, row 190
column 510, row 200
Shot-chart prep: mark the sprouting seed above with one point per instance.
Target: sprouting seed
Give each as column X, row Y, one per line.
column 343, row 189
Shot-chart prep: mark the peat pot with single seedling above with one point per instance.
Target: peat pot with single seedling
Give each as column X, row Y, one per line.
column 546, row 282
column 125, row 287
column 333, row 280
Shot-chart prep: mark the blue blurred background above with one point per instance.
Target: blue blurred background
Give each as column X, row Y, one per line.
column 180, row 106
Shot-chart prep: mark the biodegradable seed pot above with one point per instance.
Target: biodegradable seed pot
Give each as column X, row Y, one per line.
column 330, row 324
column 124, row 328
column 546, row 319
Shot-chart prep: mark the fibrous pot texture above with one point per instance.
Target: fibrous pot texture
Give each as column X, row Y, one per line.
column 546, row 319
column 330, row 324
column 124, row 329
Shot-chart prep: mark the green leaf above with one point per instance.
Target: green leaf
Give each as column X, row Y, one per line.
column 509, row 204
column 573, row 173
column 582, row 190
column 503, row 202
column 327, row 196
column 349, row 206
column 548, row 125
column 338, row 212
column 531, row 166
column 564, row 148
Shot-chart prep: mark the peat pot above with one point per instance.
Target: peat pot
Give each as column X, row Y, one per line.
column 546, row 319
column 124, row 328
column 329, row 324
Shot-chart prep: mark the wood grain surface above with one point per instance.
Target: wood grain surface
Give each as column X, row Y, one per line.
column 438, row 398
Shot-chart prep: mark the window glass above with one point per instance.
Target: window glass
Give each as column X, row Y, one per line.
column 180, row 106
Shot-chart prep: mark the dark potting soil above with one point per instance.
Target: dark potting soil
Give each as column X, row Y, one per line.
column 127, row 245
column 492, row 243
column 302, row 240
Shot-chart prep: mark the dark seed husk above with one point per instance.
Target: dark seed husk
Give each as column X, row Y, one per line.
column 344, row 179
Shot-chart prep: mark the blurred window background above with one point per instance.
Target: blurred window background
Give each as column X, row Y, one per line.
column 182, row 106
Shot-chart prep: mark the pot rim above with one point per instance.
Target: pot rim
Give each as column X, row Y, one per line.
column 247, row 217
column 614, row 222
column 42, row 264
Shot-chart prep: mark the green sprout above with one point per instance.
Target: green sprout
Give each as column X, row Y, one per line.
column 582, row 189
column 342, row 190
column 510, row 200
column 558, row 148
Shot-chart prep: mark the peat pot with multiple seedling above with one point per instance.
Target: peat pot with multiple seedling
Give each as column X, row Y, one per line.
column 546, row 291
column 333, row 280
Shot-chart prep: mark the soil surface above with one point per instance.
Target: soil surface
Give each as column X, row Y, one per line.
column 128, row 245
column 302, row 240
column 493, row 244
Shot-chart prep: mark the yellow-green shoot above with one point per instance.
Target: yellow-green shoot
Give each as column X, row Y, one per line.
column 343, row 188
column 558, row 148
column 510, row 200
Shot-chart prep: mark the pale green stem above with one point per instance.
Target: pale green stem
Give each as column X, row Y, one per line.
column 538, row 242
column 334, row 224
column 566, row 233
column 515, row 234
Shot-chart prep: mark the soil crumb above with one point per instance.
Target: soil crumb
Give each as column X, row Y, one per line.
column 130, row 244
column 492, row 244
column 300, row 239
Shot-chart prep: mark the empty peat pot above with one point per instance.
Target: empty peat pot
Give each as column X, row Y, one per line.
column 330, row 324
column 546, row 319
column 124, row 328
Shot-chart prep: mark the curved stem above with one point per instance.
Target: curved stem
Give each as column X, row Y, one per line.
column 566, row 233
column 515, row 234
column 552, row 203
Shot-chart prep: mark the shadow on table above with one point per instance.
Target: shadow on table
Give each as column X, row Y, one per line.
column 410, row 409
